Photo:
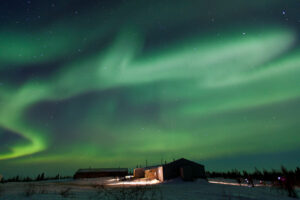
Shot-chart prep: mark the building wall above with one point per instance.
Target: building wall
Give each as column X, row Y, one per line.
column 183, row 168
column 199, row 171
column 151, row 173
column 160, row 173
column 186, row 173
column 170, row 172
column 139, row 173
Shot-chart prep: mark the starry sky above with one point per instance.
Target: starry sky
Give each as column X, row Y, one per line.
column 113, row 83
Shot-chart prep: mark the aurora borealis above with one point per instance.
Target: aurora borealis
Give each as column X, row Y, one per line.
column 114, row 83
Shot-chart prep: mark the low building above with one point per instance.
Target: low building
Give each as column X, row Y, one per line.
column 186, row 169
column 155, row 172
column 102, row 172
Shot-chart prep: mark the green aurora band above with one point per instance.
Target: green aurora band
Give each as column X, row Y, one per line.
column 208, row 95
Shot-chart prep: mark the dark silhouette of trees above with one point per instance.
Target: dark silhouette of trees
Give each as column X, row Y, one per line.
column 281, row 179
column 39, row 177
column 265, row 175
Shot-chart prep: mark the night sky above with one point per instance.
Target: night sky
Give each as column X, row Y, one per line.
column 113, row 83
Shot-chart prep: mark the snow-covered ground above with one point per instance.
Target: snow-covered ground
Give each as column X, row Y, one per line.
column 110, row 188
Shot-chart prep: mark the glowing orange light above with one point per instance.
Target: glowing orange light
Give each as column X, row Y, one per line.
column 235, row 184
column 148, row 182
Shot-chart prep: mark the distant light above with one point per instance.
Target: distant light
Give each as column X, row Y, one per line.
column 283, row 12
column 233, row 184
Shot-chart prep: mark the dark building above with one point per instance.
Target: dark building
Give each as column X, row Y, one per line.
column 102, row 172
column 186, row 169
column 139, row 172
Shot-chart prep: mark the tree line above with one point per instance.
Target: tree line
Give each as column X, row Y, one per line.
column 265, row 175
column 39, row 177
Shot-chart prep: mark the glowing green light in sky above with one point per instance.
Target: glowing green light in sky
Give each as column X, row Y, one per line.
column 211, row 63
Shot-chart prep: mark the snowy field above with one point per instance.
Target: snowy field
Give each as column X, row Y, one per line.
column 109, row 188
